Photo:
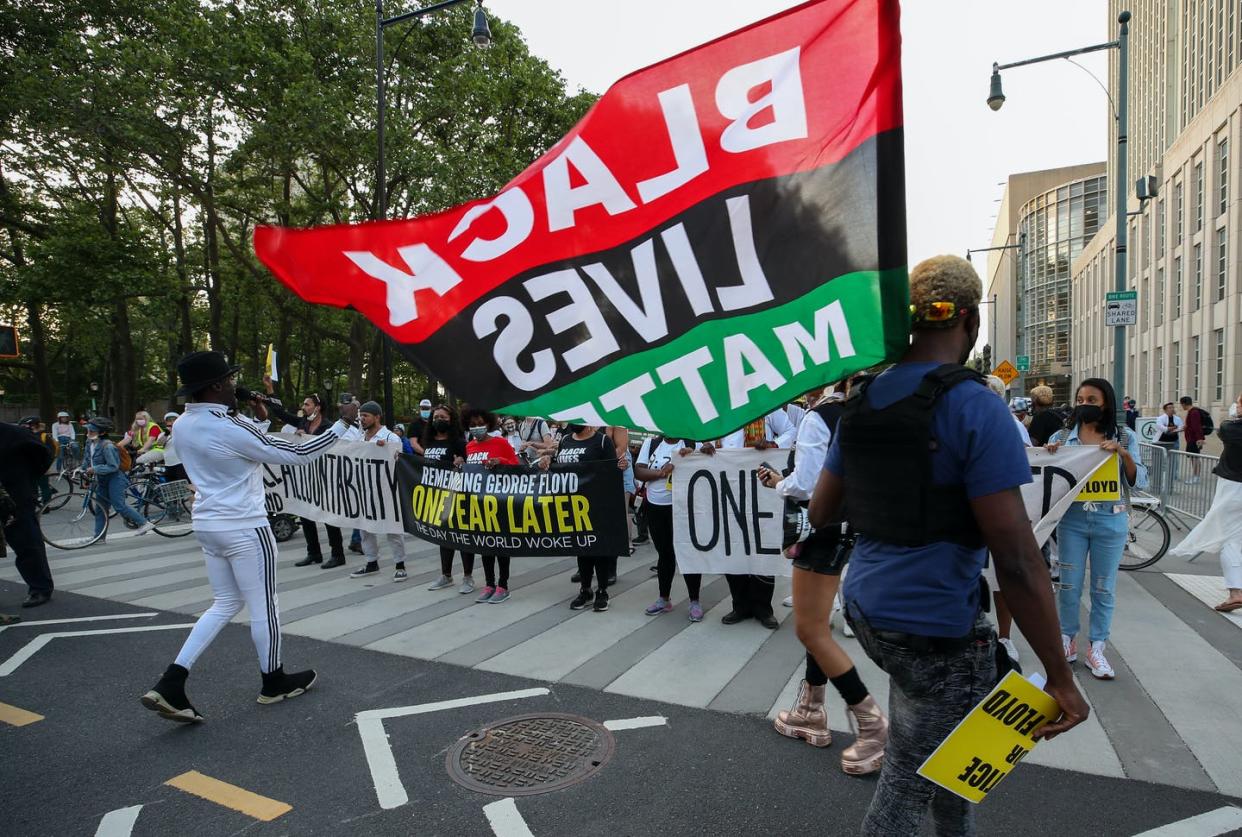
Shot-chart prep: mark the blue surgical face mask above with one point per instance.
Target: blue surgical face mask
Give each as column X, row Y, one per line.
column 425, row 413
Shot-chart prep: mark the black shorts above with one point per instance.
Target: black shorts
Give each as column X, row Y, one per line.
column 824, row 552
column 1194, row 447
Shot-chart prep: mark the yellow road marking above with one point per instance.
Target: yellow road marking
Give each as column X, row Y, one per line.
column 17, row 717
column 230, row 796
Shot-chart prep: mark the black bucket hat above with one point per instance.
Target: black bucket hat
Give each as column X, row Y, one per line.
column 198, row 370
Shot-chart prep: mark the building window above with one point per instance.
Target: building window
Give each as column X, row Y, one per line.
column 1219, row 356
column 1194, row 370
column 1142, row 395
column 1177, row 287
column 1198, row 196
column 1222, row 176
column 1198, row 277
column 1179, row 212
column 1145, row 302
column 1158, row 387
column 1161, row 221
column 1159, row 296
column 1175, row 368
column 1146, row 240
column 1222, row 265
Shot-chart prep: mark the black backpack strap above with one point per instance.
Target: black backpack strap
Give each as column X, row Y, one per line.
column 942, row 379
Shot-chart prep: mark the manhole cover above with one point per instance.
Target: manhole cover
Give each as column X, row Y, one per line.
column 530, row 754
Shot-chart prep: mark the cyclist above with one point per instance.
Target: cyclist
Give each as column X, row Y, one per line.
column 65, row 434
column 103, row 462
column 142, row 435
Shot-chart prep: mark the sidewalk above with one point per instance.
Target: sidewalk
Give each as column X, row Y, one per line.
column 1170, row 716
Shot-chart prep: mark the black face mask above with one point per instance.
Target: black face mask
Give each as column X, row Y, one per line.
column 574, row 428
column 1088, row 413
column 440, row 426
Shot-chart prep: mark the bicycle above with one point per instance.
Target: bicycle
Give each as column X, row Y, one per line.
column 1148, row 537
column 167, row 504
column 74, row 527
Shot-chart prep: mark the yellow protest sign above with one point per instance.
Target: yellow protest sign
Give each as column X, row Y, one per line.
column 1104, row 485
column 1007, row 372
column 990, row 741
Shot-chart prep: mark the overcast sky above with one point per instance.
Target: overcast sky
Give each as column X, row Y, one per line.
column 957, row 149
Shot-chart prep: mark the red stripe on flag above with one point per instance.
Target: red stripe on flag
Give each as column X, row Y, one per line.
column 849, row 64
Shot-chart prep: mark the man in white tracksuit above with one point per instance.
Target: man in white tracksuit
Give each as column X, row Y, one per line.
column 224, row 455
column 374, row 432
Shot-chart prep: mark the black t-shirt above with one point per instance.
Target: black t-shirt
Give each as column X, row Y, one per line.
column 1043, row 425
column 414, row 430
column 444, row 450
column 595, row 448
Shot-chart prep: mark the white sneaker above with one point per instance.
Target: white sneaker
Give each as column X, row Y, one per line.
column 1069, row 645
column 467, row 585
column 442, row 582
column 1098, row 663
column 788, row 602
column 1010, row 648
column 846, row 630
column 144, row 528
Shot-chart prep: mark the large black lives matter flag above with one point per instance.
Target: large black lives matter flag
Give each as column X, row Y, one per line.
column 515, row 510
column 723, row 231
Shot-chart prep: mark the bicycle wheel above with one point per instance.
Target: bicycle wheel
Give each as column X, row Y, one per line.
column 1147, row 540
column 73, row 527
column 172, row 509
column 142, row 496
column 62, row 490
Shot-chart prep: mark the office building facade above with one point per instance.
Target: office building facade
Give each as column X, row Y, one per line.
column 1185, row 129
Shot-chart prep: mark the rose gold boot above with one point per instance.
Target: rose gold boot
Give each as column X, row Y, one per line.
column 807, row 720
column 871, row 735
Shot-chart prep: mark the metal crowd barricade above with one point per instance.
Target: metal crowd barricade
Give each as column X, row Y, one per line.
column 1191, row 484
column 1155, row 460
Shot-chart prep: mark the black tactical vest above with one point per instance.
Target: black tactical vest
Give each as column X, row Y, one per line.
column 887, row 456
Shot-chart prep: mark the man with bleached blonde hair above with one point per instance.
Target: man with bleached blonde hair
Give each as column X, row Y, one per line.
column 913, row 593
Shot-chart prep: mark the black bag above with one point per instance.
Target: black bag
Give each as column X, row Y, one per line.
column 1205, row 419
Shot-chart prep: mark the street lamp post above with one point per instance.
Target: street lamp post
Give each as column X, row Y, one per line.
column 996, row 98
column 482, row 36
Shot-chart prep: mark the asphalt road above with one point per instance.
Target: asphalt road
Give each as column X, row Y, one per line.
column 96, row 750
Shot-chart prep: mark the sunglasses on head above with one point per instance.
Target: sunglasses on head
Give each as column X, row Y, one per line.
column 939, row 312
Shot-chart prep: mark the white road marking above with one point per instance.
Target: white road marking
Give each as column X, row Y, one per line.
column 636, row 723
column 384, row 776
column 118, row 823
column 506, row 820
column 77, row 619
column 1220, row 821
column 31, row 648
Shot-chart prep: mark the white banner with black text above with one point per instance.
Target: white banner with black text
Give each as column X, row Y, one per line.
column 353, row 486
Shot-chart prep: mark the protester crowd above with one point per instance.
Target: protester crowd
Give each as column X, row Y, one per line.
column 927, row 557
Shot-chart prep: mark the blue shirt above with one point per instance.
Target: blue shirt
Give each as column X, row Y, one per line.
column 933, row 590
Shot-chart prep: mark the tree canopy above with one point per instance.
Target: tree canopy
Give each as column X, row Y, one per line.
column 141, row 141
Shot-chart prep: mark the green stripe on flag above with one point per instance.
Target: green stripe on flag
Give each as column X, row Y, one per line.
column 758, row 361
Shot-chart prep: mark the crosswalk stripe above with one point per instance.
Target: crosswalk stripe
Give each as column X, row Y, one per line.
column 693, row 667
column 1209, row 589
column 1209, row 824
column 561, row 649
column 603, row 669
column 1141, row 624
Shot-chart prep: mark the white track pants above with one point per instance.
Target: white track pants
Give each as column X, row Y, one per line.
column 241, row 567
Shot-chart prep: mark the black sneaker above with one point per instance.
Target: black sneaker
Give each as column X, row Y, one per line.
column 583, row 599
column 370, row 569
column 355, row 547
column 277, row 685
column 640, row 540
column 576, row 578
column 601, row 601
column 612, row 580
column 167, row 697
